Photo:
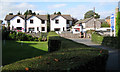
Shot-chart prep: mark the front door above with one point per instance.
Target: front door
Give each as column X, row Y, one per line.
column 63, row 29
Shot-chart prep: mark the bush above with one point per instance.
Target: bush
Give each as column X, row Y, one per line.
column 97, row 38
column 43, row 37
column 111, row 42
column 53, row 44
column 30, row 38
column 5, row 35
column 105, row 24
column 12, row 35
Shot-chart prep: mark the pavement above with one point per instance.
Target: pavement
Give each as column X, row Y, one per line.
column 113, row 62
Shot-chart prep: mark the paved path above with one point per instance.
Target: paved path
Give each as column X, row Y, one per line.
column 113, row 63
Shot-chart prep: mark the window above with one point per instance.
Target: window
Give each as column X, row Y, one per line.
column 12, row 27
column 18, row 20
column 37, row 28
column 57, row 21
column 43, row 21
column 31, row 21
column 43, row 28
column 31, row 29
column 19, row 28
column 67, row 21
column 57, row 29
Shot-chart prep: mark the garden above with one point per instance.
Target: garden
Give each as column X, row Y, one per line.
column 34, row 55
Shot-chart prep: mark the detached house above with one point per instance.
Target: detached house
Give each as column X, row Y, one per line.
column 60, row 23
column 38, row 23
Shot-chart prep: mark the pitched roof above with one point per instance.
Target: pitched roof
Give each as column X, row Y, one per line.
column 43, row 17
column 9, row 17
column 84, row 20
column 101, row 20
column 68, row 17
column 108, row 17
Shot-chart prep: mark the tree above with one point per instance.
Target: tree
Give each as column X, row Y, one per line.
column 74, row 20
column 105, row 24
column 26, row 12
column 59, row 13
column 54, row 13
column 10, row 13
column 48, row 22
column 118, row 28
column 117, row 23
column 19, row 13
column 91, row 14
column 30, row 12
column 34, row 13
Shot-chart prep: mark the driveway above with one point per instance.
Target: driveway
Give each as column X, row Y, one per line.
column 113, row 62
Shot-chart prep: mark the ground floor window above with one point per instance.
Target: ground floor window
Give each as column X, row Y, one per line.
column 31, row 29
column 19, row 28
column 37, row 28
column 56, row 29
column 12, row 27
column 43, row 29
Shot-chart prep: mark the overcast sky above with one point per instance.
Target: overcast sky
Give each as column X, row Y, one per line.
column 75, row 8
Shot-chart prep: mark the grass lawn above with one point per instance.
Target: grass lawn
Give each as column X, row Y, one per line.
column 71, row 55
column 13, row 51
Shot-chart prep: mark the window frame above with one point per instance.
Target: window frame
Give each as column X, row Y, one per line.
column 18, row 20
column 31, row 21
column 42, row 21
column 56, row 21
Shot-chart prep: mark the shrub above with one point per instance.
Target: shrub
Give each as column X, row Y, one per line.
column 97, row 38
column 30, row 38
column 54, row 44
column 5, row 35
column 43, row 37
column 105, row 24
column 35, row 38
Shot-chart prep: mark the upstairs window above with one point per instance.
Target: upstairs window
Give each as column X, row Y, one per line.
column 67, row 21
column 43, row 21
column 18, row 20
column 57, row 21
column 31, row 21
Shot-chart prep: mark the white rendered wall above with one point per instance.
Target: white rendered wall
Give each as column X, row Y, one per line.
column 61, row 24
column 36, row 23
column 13, row 22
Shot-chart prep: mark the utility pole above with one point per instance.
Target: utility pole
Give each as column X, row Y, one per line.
column 94, row 19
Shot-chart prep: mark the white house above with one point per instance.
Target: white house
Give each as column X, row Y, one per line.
column 37, row 23
column 60, row 23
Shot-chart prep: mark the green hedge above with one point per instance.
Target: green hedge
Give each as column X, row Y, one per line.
column 111, row 42
column 54, row 44
column 97, row 38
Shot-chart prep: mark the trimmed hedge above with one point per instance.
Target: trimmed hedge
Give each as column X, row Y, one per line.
column 54, row 44
column 111, row 42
